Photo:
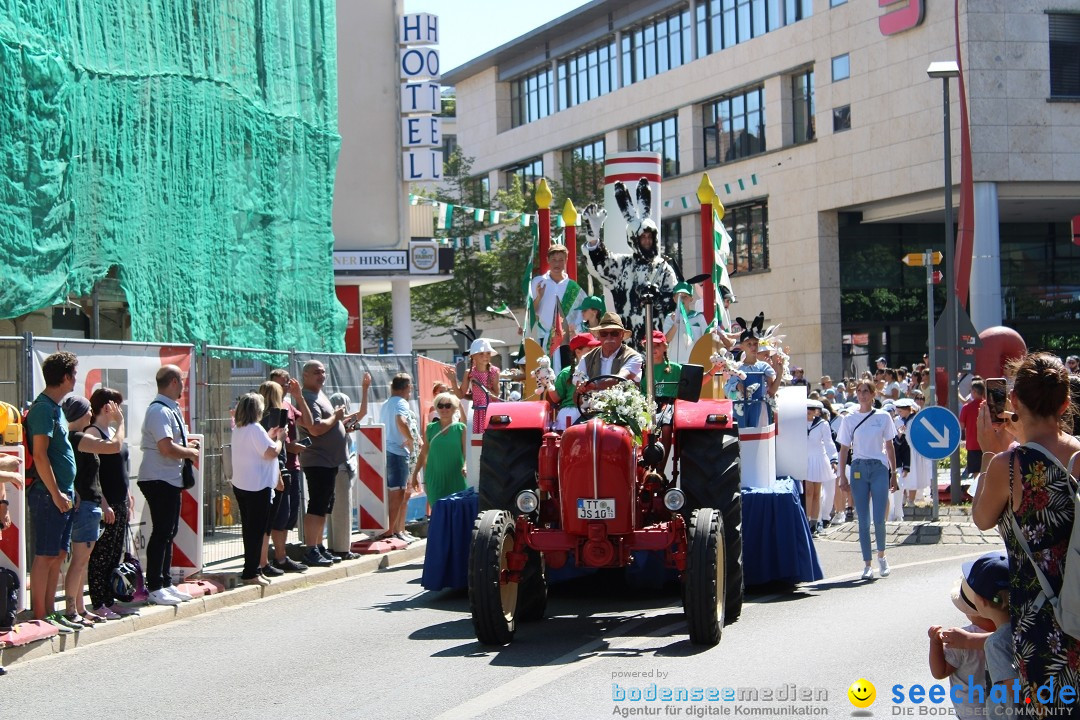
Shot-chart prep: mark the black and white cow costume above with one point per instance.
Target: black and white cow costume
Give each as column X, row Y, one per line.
column 626, row 275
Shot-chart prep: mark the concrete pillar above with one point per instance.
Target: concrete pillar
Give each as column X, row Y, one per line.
column 693, row 31
column 777, row 111
column 691, row 156
column 402, row 316
column 985, row 306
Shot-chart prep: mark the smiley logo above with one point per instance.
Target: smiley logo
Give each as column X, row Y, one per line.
column 862, row 693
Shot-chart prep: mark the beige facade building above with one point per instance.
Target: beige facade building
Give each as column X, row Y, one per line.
column 823, row 135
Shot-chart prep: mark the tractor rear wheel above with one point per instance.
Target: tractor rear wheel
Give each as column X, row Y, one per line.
column 705, row 577
column 493, row 603
column 532, row 592
column 509, row 460
column 709, row 474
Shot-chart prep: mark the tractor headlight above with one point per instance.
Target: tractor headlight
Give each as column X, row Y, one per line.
column 527, row 501
column 674, row 499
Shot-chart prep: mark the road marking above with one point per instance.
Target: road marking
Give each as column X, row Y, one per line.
column 591, row 652
column 551, row 671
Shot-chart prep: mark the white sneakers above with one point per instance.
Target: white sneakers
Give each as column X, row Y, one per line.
column 161, row 597
column 177, row 593
column 883, row 565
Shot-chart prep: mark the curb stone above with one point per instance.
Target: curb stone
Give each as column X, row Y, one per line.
column 154, row 616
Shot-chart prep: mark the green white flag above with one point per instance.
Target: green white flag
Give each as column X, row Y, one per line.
column 526, row 284
column 526, row 219
column 571, row 304
column 478, row 215
column 720, row 277
column 446, row 216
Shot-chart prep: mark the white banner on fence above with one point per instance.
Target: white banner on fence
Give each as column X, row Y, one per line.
column 187, row 555
column 131, row 369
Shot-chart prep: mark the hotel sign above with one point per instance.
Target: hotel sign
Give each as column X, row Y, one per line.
column 421, row 131
column 378, row 262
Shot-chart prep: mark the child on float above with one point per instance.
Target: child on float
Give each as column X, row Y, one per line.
column 957, row 653
column 481, row 382
column 561, row 392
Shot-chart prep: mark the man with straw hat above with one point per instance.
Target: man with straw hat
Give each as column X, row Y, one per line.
column 613, row 357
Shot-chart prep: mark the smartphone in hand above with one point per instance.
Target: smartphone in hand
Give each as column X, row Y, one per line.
column 995, row 398
column 306, row 442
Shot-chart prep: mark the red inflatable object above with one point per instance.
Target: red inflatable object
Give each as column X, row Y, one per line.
column 999, row 346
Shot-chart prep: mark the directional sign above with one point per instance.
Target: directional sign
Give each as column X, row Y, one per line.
column 969, row 336
column 934, row 432
column 920, row 259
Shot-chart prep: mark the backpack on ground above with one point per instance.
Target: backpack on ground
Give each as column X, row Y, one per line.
column 9, row 598
column 1066, row 604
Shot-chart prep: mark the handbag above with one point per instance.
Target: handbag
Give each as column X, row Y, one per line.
column 127, row 580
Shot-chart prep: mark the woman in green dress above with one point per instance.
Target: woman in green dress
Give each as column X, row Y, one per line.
column 443, row 454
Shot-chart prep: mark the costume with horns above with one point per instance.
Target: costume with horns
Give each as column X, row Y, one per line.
column 626, row 275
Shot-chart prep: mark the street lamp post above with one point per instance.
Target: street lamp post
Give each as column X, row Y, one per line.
column 947, row 70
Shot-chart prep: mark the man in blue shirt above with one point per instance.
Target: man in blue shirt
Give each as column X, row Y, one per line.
column 51, row 498
column 400, row 445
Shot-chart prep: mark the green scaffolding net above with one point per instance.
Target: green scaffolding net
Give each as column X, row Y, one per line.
column 190, row 144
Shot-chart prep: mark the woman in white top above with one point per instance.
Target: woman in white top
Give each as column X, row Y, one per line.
column 255, row 471
column 866, row 441
column 820, row 463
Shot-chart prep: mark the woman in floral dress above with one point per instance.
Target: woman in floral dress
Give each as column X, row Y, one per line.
column 1030, row 483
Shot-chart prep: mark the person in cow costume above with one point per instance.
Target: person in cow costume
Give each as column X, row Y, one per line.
column 627, row 275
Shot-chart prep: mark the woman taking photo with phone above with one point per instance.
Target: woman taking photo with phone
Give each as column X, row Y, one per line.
column 1027, row 492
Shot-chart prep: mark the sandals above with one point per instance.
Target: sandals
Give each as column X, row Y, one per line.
column 93, row 618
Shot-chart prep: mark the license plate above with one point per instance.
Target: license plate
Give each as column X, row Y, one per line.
column 596, row 509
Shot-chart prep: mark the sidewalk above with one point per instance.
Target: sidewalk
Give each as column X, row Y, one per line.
column 225, row 577
column 954, row 527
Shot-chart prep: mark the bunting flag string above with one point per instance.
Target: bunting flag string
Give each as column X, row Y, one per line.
column 686, row 202
column 484, row 242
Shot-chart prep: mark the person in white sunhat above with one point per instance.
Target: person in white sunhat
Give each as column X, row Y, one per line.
column 821, row 461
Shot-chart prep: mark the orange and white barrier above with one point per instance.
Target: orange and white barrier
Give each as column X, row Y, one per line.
column 187, row 556
column 13, row 542
column 369, row 492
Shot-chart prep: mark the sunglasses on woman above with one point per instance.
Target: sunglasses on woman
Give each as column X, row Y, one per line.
column 445, row 406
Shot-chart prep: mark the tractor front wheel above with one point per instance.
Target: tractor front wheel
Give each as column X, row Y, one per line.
column 705, row 576
column 492, row 601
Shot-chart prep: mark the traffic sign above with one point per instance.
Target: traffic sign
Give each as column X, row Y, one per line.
column 934, row 432
column 920, row 259
column 937, row 277
column 968, row 335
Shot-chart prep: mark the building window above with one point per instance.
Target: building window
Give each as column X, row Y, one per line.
column 660, row 136
column 527, row 172
column 530, row 98
column 802, row 107
column 478, row 189
column 722, row 23
column 841, row 118
column 587, row 75
column 835, row 3
column 657, row 46
column 449, row 144
column 671, row 240
column 748, row 226
column 735, row 127
column 583, row 172
column 1065, row 55
column 841, row 67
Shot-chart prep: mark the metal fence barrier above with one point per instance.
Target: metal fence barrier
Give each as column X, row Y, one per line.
column 218, row 376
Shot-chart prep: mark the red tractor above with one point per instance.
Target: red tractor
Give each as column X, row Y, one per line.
column 593, row 497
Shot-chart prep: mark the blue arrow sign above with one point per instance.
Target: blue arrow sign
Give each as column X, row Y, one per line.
column 934, row 432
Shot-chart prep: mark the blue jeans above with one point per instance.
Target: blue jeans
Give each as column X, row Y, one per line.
column 870, row 479
column 397, row 471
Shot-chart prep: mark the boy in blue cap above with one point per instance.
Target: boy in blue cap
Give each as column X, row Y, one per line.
column 985, row 588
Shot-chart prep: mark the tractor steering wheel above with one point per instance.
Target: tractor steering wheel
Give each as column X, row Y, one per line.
column 600, row 382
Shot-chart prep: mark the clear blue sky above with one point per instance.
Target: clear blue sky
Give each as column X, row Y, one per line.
column 470, row 28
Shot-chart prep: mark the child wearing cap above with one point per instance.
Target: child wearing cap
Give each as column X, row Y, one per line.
column 561, row 392
column 985, row 587
column 958, row 654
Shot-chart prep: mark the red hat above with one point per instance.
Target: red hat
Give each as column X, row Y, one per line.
column 583, row 340
column 659, row 338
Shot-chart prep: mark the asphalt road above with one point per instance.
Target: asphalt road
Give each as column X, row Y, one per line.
column 379, row 646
